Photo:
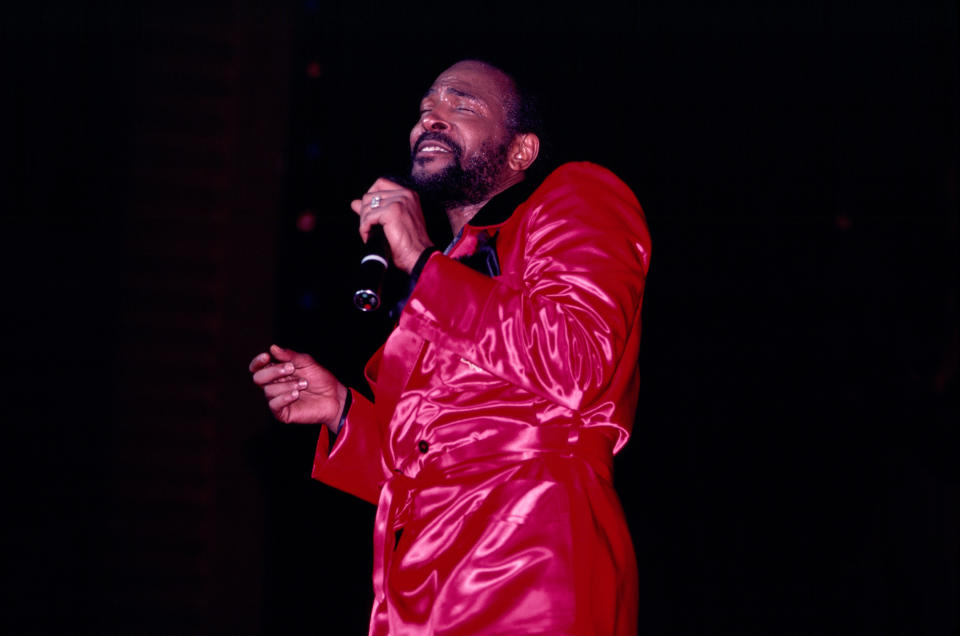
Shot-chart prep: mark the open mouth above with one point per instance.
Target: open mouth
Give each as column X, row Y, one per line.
column 432, row 148
column 430, row 145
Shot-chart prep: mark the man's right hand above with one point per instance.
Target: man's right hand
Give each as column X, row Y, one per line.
column 298, row 390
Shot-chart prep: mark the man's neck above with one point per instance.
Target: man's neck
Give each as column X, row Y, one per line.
column 460, row 216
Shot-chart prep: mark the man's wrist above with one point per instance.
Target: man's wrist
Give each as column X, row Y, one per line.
column 347, row 401
column 421, row 263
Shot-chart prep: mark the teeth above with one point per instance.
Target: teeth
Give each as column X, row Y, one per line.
column 432, row 149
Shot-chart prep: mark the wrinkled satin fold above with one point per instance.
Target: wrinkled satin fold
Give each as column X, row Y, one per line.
column 592, row 448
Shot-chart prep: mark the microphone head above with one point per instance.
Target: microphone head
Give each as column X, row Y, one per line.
column 373, row 267
column 366, row 300
column 370, row 286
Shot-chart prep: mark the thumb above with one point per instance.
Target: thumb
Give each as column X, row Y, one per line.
column 281, row 354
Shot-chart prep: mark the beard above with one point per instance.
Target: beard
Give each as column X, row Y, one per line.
column 460, row 183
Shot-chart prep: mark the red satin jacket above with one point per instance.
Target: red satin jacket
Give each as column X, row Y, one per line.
column 499, row 403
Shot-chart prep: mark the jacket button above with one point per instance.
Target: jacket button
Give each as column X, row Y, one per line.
column 423, row 446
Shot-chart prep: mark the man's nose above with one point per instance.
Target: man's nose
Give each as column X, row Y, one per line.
column 433, row 120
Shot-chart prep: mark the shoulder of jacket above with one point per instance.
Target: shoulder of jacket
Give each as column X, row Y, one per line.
column 576, row 175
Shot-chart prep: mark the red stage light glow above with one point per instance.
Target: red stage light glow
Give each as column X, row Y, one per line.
column 307, row 221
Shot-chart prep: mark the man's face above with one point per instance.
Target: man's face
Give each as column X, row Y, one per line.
column 459, row 145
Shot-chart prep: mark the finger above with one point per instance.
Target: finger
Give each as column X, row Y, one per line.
column 288, row 398
column 368, row 214
column 381, row 188
column 297, row 359
column 387, row 197
column 272, row 373
column 385, row 185
column 259, row 361
column 369, row 218
column 367, row 221
column 389, row 206
column 279, row 388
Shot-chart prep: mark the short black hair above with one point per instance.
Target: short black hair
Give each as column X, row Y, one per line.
column 524, row 112
column 523, row 106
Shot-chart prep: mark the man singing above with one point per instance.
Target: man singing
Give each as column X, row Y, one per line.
column 506, row 387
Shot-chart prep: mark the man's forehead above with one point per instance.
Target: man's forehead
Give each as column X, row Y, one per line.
column 472, row 79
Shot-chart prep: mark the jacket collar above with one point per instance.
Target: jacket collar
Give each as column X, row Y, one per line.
column 501, row 206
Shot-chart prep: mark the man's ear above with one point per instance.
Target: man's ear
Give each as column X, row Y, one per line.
column 523, row 151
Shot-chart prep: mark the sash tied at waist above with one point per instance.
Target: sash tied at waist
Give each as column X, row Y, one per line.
column 500, row 449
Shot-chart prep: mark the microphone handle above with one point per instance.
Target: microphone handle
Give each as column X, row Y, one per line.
column 373, row 269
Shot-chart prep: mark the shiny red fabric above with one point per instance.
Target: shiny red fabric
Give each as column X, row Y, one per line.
column 499, row 405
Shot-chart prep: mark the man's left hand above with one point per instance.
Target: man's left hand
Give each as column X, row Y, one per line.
column 398, row 210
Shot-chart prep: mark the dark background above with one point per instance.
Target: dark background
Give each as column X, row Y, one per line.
column 793, row 468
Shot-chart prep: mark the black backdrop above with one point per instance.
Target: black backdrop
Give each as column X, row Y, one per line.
column 793, row 464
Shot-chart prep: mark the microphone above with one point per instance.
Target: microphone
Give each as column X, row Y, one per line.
column 373, row 269
column 376, row 258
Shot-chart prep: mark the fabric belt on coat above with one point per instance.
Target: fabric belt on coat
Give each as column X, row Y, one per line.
column 590, row 445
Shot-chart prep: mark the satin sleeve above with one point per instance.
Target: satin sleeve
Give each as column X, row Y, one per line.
column 354, row 463
column 560, row 331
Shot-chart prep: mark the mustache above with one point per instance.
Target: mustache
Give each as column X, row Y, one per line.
column 433, row 135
